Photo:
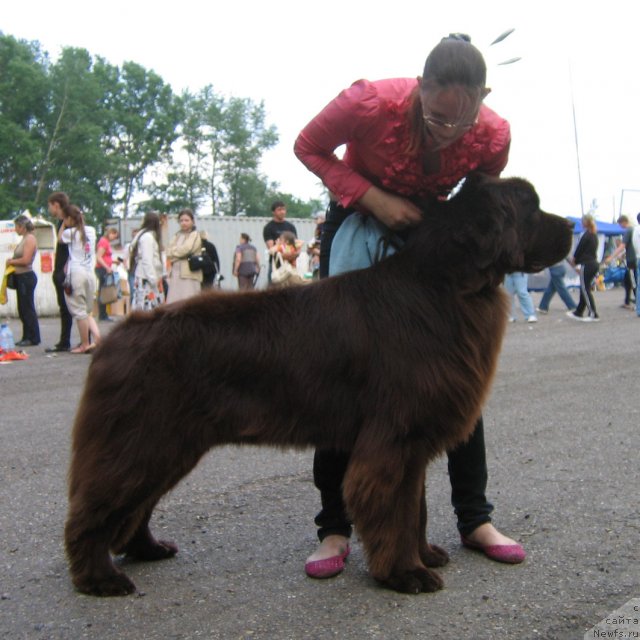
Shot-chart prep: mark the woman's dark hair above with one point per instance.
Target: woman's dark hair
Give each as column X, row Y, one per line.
column 73, row 212
column 150, row 222
column 245, row 237
column 453, row 61
column 24, row 221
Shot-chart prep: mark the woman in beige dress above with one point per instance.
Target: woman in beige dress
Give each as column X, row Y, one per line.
column 184, row 283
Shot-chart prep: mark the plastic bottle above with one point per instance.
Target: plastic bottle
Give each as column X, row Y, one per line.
column 6, row 338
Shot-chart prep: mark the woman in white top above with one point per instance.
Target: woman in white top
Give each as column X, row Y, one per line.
column 80, row 275
column 146, row 251
column 184, row 283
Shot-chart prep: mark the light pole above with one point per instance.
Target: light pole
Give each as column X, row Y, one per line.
column 575, row 135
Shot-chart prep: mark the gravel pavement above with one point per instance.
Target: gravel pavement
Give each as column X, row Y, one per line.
column 563, row 433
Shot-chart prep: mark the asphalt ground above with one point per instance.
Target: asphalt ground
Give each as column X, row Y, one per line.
column 563, row 433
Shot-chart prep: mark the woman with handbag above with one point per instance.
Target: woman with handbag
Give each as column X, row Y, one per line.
column 183, row 282
column 104, row 269
column 25, row 281
column 80, row 280
column 146, row 251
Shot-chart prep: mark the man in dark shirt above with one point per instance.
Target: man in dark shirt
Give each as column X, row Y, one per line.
column 275, row 227
column 56, row 204
column 626, row 247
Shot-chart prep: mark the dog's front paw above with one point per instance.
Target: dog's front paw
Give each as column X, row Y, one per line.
column 115, row 584
column 434, row 556
column 414, row 581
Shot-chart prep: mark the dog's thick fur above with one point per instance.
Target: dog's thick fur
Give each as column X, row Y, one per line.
column 391, row 363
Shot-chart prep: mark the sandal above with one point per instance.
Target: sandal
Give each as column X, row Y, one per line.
column 81, row 350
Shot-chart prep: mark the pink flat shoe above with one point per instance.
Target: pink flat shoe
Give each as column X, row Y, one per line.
column 508, row 553
column 328, row 567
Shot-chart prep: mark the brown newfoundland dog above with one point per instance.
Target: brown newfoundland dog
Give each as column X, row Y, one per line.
column 400, row 361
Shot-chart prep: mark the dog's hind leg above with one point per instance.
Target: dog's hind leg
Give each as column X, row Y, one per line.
column 382, row 491
column 430, row 554
column 143, row 546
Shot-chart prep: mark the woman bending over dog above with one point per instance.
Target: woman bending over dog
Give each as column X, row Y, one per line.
column 406, row 138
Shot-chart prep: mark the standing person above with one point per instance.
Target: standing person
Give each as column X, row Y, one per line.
column 104, row 267
column 81, row 240
column 184, row 283
column 406, row 137
column 635, row 243
column 26, row 280
column 626, row 247
column 516, row 285
column 211, row 266
column 56, row 204
column 146, row 261
column 556, row 285
column 585, row 260
column 274, row 229
column 246, row 264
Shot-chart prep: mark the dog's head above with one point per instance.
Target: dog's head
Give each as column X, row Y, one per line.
column 494, row 226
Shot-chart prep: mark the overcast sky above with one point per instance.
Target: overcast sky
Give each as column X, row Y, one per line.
column 296, row 56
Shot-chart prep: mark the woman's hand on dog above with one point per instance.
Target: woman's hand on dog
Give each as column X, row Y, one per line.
column 393, row 211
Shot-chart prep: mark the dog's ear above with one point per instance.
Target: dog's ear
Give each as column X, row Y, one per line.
column 482, row 220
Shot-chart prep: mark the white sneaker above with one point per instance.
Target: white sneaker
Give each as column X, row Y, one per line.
column 542, row 311
column 573, row 316
column 532, row 319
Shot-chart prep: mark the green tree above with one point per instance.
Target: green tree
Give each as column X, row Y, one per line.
column 144, row 114
column 246, row 138
column 73, row 159
column 23, row 107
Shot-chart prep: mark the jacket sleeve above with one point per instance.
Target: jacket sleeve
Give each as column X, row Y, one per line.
column 348, row 117
column 191, row 245
column 497, row 155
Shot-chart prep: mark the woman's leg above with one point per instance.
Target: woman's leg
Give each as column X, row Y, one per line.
column 524, row 298
column 31, row 317
column 21, row 295
column 562, row 290
column 587, row 276
column 83, row 328
column 549, row 292
column 101, row 272
column 468, row 475
column 329, row 467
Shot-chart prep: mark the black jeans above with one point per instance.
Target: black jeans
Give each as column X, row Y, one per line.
column 25, row 290
column 630, row 281
column 467, row 463
column 588, row 272
column 66, row 320
column 101, row 273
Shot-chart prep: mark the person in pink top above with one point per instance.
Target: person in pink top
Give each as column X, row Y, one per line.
column 104, row 266
column 406, row 139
